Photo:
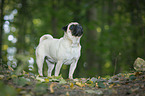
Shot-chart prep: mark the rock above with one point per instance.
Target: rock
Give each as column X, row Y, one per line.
column 98, row 92
column 139, row 64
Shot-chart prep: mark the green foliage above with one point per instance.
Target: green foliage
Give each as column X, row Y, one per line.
column 6, row 90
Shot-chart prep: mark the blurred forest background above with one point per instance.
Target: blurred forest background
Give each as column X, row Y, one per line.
column 114, row 33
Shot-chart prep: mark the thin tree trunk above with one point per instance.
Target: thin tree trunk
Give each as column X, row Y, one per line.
column 91, row 39
column 1, row 28
column 137, row 33
column 22, row 28
column 54, row 19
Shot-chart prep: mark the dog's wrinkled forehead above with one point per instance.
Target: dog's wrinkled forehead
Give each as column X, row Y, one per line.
column 75, row 28
column 73, row 23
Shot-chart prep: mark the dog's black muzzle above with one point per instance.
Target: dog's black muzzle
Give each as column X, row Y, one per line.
column 76, row 30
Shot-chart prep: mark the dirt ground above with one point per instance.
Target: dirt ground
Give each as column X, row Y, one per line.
column 28, row 84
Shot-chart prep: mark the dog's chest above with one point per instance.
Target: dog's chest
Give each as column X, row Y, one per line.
column 71, row 54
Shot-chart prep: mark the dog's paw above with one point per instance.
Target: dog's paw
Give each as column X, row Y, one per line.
column 70, row 77
column 40, row 75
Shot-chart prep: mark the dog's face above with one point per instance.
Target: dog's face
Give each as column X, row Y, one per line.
column 74, row 29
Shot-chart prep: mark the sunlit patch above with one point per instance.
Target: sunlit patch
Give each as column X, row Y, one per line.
column 11, row 16
column 106, row 27
column 98, row 29
column 6, row 17
column 107, row 64
column 31, row 62
column 13, row 29
column 6, row 27
column 14, row 11
column 11, row 50
column 5, row 47
column 37, row 22
column 10, row 57
column 12, row 39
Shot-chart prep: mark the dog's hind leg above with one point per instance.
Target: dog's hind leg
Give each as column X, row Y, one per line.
column 50, row 68
column 39, row 61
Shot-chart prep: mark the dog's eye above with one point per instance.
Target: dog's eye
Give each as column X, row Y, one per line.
column 71, row 27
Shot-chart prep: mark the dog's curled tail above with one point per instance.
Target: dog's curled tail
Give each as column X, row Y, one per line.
column 45, row 37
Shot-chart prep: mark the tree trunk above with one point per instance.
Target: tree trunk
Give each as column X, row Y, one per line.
column 54, row 19
column 138, row 44
column 91, row 39
column 1, row 28
column 22, row 28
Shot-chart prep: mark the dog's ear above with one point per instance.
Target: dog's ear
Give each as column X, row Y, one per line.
column 65, row 28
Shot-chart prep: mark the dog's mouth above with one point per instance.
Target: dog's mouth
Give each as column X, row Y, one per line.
column 76, row 30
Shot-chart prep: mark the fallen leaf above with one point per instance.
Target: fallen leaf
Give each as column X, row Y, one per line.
column 54, row 80
column 99, row 77
column 96, row 84
column 89, row 82
column 114, row 91
column 134, row 89
column 19, row 89
column 111, row 85
column 14, row 76
column 137, row 73
column 10, row 68
column 40, row 79
column 24, row 72
column 118, row 85
column 46, row 80
column 76, row 80
column 62, row 81
column 67, row 93
column 71, row 85
column 51, row 87
column 94, row 79
column 80, row 84
column 23, row 92
column 65, row 86
column 2, row 76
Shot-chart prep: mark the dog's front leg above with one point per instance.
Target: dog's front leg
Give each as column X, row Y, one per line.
column 50, row 68
column 72, row 69
column 58, row 67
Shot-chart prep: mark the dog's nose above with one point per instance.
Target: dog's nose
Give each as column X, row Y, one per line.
column 77, row 30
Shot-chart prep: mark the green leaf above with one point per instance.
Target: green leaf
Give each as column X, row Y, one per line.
column 89, row 82
column 101, row 85
column 94, row 79
column 40, row 88
column 6, row 90
column 40, row 79
column 62, row 81
column 54, row 80
column 132, row 77
column 21, row 81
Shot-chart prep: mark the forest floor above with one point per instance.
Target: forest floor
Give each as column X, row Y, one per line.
column 28, row 84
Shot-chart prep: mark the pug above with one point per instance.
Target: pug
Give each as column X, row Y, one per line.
column 65, row 50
